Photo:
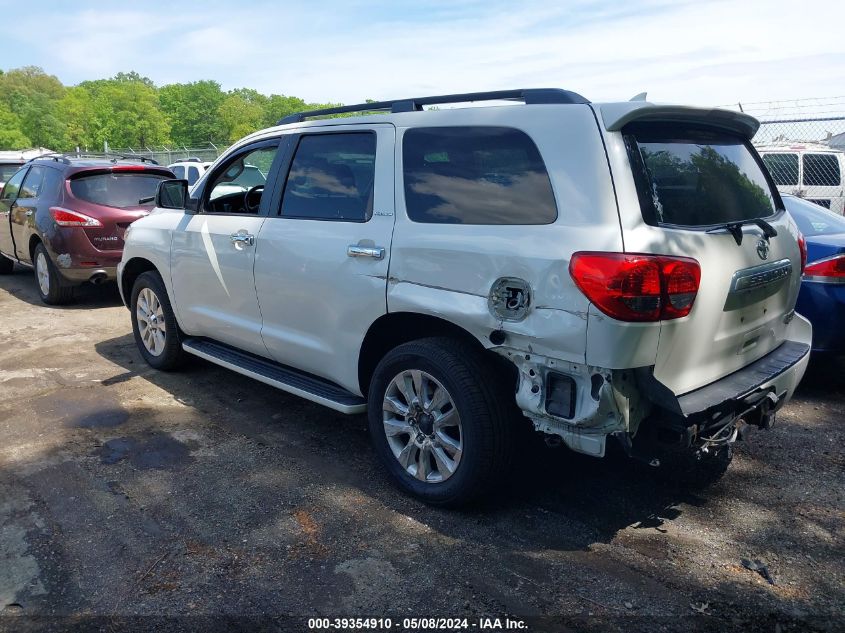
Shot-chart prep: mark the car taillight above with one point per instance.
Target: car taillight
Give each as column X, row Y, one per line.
column 66, row 217
column 802, row 246
column 634, row 287
column 830, row 270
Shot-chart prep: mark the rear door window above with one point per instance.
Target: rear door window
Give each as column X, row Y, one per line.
column 332, row 177
column 783, row 168
column 821, row 170
column 33, row 183
column 696, row 177
column 475, row 175
column 178, row 171
column 193, row 175
column 13, row 186
column 119, row 190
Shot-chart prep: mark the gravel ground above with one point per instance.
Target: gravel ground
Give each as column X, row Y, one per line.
column 128, row 495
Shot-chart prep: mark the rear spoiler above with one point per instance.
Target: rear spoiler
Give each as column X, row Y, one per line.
column 617, row 115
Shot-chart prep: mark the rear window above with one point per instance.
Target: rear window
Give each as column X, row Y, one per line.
column 821, row 170
column 116, row 189
column 475, row 175
column 7, row 171
column 783, row 168
column 697, row 177
column 812, row 220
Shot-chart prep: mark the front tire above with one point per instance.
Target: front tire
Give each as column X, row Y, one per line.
column 51, row 287
column 439, row 421
column 154, row 324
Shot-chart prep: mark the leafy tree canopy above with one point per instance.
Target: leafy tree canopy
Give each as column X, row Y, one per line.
column 130, row 111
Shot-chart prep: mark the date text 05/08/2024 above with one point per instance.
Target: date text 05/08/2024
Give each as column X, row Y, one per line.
column 418, row 624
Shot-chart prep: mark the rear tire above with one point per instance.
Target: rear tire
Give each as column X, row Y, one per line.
column 6, row 265
column 439, row 421
column 52, row 289
column 154, row 326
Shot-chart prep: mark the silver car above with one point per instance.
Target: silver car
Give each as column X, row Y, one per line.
column 597, row 272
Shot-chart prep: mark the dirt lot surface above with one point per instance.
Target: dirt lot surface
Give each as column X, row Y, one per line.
column 129, row 492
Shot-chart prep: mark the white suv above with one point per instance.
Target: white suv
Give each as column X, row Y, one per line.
column 190, row 169
column 621, row 270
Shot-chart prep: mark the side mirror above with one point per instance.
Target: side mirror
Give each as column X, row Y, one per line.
column 172, row 194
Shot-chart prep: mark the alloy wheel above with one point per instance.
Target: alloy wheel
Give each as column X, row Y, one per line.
column 422, row 426
column 42, row 272
column 151, row 325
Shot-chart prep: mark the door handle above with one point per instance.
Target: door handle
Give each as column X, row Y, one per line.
column 242, row 238
column 376, row 252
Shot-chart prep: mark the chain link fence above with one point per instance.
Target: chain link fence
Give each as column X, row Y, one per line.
column 802, row 142
column 166, row 155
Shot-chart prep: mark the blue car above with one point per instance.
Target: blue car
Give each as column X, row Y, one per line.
column 822, row 296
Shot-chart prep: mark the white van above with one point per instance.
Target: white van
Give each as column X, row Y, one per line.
column 811, row 171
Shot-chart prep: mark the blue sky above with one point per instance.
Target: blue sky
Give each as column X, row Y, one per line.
column 708, row 52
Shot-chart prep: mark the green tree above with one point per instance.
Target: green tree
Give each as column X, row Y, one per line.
column 279, row 106
column 239, row 115
column 192, row 112
column 76, row 111
column 126, row 113
column 11, row 136
column 32, row 95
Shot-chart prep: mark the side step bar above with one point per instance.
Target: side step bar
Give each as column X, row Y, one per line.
column 276, row 375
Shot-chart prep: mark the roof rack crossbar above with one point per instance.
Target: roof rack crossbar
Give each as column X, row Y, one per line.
column 526, row 95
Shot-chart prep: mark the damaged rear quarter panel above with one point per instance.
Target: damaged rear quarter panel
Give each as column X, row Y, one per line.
column 448, row 270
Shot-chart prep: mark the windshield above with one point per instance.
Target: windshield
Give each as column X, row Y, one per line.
column 813, row 220
column 7, row 171
column 697, row 177
column 117, row 190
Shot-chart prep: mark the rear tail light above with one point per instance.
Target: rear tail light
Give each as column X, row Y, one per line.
column 633, row 287
column 66, row 217
column 802, row 246
column 830, row 270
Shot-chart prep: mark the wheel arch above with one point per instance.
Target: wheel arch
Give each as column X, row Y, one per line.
column 133, row 269
column 34, row 240
column 395, row 328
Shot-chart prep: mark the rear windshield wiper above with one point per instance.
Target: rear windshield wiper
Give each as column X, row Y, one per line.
column 735, row 228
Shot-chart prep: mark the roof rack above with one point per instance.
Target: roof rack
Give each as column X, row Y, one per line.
column 56, row 156
column 527, row 96
column 65, row 157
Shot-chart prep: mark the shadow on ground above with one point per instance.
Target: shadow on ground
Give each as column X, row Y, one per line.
column 21, row 284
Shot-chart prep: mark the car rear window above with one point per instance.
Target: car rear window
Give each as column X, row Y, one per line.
column 7, row 171
column 812, row 220
column 696, row 177
column 117, row 190
column 475, row 175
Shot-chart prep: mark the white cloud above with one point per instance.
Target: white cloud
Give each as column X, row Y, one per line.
column 713, row 53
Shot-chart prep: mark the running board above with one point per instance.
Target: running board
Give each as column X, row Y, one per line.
column 276, row 375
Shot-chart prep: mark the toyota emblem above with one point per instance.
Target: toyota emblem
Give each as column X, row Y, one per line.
column 763, row 249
